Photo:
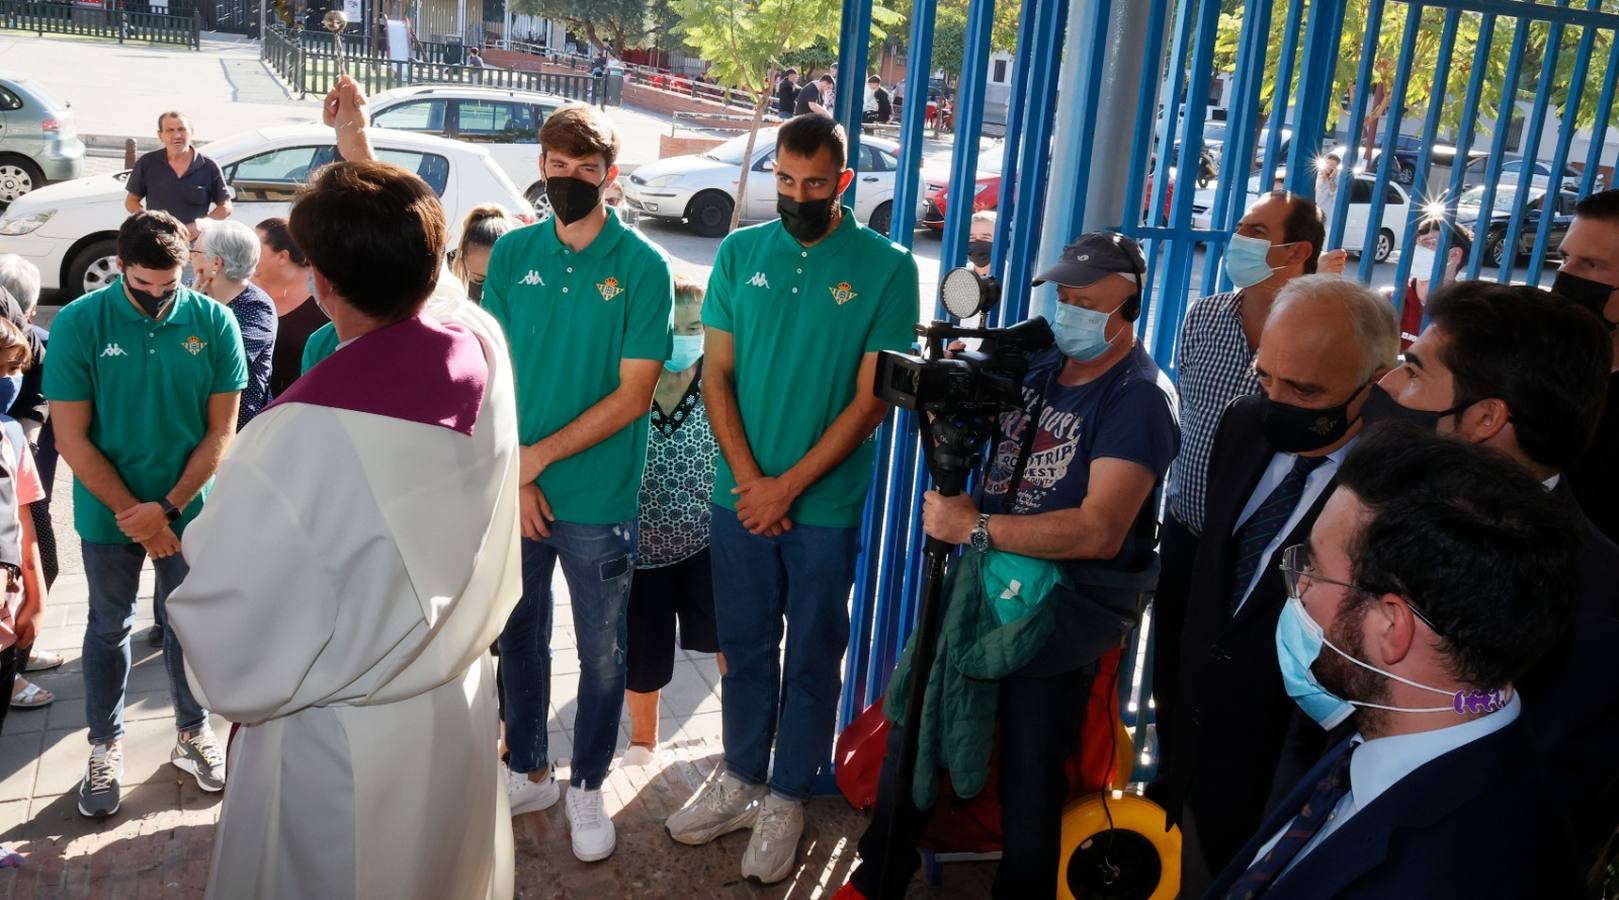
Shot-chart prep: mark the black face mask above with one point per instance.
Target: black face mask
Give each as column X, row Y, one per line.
column 1592, row 295
column 151, row 304
column 475, row 291
column 978, row 252
column 571, row 199
column 1382, row 407
column 1295, row 429
column 808, row 221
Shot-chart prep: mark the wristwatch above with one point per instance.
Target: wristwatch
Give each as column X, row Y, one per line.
column 169, row 510
column 980, row 538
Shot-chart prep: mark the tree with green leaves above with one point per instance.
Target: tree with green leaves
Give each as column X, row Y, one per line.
column 617, row 24
column 950, row 32
column 746, row 40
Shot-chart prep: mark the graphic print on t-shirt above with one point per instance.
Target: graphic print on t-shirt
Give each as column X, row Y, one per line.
column 1056, row 445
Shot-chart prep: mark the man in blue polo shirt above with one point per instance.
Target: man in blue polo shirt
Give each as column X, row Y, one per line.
column 178, row 179
column 144, row 384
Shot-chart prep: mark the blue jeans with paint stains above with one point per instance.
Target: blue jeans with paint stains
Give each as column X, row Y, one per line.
column 598, row 562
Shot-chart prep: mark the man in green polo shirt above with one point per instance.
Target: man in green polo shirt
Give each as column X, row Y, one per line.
column 144, row 381
column 796, row 314
column 585, row 303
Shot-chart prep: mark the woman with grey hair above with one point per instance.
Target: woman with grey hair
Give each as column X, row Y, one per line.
column 225, row 255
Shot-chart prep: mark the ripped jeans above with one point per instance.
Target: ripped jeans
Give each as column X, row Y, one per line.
column 598, row 562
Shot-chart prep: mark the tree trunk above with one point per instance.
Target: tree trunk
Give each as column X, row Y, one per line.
column 747, row 158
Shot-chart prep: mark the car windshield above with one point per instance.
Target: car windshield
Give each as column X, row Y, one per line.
column 1506, row 197
column 731, row 151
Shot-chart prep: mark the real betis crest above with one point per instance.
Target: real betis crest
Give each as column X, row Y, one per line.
column 843, row 292
column 609, row 288
column 194, row 345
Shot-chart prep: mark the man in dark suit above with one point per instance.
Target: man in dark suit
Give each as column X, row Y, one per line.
column 1523, row 372
column 1275, row 455
column 1435, row 577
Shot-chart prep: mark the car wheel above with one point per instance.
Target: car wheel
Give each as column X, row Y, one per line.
column 18, row 176
column 537, row 198
column 1405, row 175
column 882, row 218
column 1385, row 246
column 709, row 214
column 1495, row 248
column 93, row 268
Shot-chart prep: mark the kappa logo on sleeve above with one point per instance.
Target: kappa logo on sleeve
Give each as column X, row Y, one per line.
column 113, row 350
column 532, row 278
column 759, row 280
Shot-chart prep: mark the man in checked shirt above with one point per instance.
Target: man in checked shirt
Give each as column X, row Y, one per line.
column 1278, row 240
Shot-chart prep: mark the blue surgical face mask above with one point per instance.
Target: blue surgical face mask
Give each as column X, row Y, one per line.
column 688, row 349
column 1082, row 333
column 1299, row 640
column 10, row 387
column 1247, row 260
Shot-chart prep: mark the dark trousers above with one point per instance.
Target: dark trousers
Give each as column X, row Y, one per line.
column 1039, row 729
column 1177, row 550
column 10, row 664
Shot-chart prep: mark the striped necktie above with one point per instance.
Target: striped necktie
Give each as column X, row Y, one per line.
column 1261, row 528
column 1315, row 812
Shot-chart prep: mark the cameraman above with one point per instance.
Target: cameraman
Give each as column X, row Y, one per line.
column 1076, row 489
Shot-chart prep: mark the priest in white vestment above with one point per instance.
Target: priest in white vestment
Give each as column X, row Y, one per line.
column 359, row 556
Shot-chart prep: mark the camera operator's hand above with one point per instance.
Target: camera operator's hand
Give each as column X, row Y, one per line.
column 949, row 519
column 763, row 503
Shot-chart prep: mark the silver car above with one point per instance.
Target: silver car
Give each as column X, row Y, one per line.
column 38, row 144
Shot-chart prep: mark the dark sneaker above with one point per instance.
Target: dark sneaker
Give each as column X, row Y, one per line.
column 200, row 757
column 98, row 792
column 154, row 636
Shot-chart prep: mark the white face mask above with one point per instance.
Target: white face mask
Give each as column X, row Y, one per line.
column 1422, row 262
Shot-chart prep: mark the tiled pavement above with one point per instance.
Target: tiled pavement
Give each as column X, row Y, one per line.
column 158, row 845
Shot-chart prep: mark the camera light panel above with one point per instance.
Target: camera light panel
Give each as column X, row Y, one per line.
column 963, row 293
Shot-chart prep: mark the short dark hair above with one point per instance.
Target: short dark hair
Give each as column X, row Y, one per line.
column 1602, row 206
column 153, row 239
column 790, row 71
column 810, row 133
column 376, row 231
column 1459, row 236
column 1548, row 360
column 579, row 131
column 827, row 78
column 1302, row 223
column 1470, row 539
column 874, row 80
column 279, row 237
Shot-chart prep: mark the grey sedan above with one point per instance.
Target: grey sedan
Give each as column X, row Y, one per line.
column 38, row 144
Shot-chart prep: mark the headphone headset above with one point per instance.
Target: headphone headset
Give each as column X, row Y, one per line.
column 1132, row 307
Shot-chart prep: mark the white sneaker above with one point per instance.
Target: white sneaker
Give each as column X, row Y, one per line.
column 773, row 849
column 593, row 835
column 724, row 805
column 527, row 796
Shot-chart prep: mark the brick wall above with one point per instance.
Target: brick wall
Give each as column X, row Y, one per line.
column 684, row 146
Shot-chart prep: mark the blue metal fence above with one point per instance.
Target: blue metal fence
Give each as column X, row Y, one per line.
column 1313, row 100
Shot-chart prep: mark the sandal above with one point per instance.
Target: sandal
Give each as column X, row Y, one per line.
column 43, row 661
column 32, row 696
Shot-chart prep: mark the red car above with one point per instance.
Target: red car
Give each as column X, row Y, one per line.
column 988, row 197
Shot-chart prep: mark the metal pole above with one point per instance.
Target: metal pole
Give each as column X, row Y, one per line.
column 854, row 45
column 969, row 120
column 264, row 20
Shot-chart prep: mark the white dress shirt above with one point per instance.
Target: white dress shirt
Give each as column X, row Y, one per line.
column 1314, row 484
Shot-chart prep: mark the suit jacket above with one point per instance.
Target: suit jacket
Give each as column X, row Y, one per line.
column 1479, row 821
column 1232, row 712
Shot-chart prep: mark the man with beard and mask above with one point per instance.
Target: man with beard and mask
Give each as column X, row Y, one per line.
column 1435, row 577
column 585, row 302
column 1277, row 240
column 1521, row 371
column 817, row 295
column 144, row 382
column 1423, row 258
column 1075, row 487
column 1275, row 455
column 1589, row 276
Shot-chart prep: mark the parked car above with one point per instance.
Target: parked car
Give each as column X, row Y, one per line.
column 1512, row 171
column 987, row 195
column 1391, row 228
column 1494, row 234
column 701, row 188
column 69, row 230
column 505, row 122
column 38, row 145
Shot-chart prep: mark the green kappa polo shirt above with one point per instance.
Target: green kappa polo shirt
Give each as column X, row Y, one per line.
column 321, row 344
column 571, row 318
column 802, row 318
column 148, row 383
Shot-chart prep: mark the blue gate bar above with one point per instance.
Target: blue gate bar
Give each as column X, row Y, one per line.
column 1236, row 159
column 1315, row 94
column 1530, row 159
column 1357, row 121
column 1030, row 176
column 862, row 605
column 969, row 121
column 913, row 115
column 1385, row 156
column 1141, row 138
column 1599, row 130
column 1464, row 144
column 1498, row 139
column 1168, row 107
column 1089, row 99
column 1015, row 111
column 1430, row 130
column 1281, row 93
column 1565, row 139
column 854, row 40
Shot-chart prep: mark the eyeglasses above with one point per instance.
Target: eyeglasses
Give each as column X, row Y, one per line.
column 1298, row 575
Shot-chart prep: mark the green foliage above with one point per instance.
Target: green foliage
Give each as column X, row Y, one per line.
column 747, row 40
column 619, row 24
column 950, row 31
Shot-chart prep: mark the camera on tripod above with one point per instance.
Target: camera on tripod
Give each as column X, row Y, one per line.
column 984, row 382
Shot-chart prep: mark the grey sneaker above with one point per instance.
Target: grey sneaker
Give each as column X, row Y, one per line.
column 98, row 792
column 724, row 805
column 154, row 636
column 200, row 757
column 773, row 848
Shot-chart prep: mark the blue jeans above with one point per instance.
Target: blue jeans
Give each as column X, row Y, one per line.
column 114, row 572
column 598, row 562
column 799, row 581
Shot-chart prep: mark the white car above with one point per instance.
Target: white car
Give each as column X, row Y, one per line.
column 69, row 230
column 701, row 189
column 505, row 122
column 1396, row 205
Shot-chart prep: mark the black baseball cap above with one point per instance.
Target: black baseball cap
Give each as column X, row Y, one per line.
column 1094, row 256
